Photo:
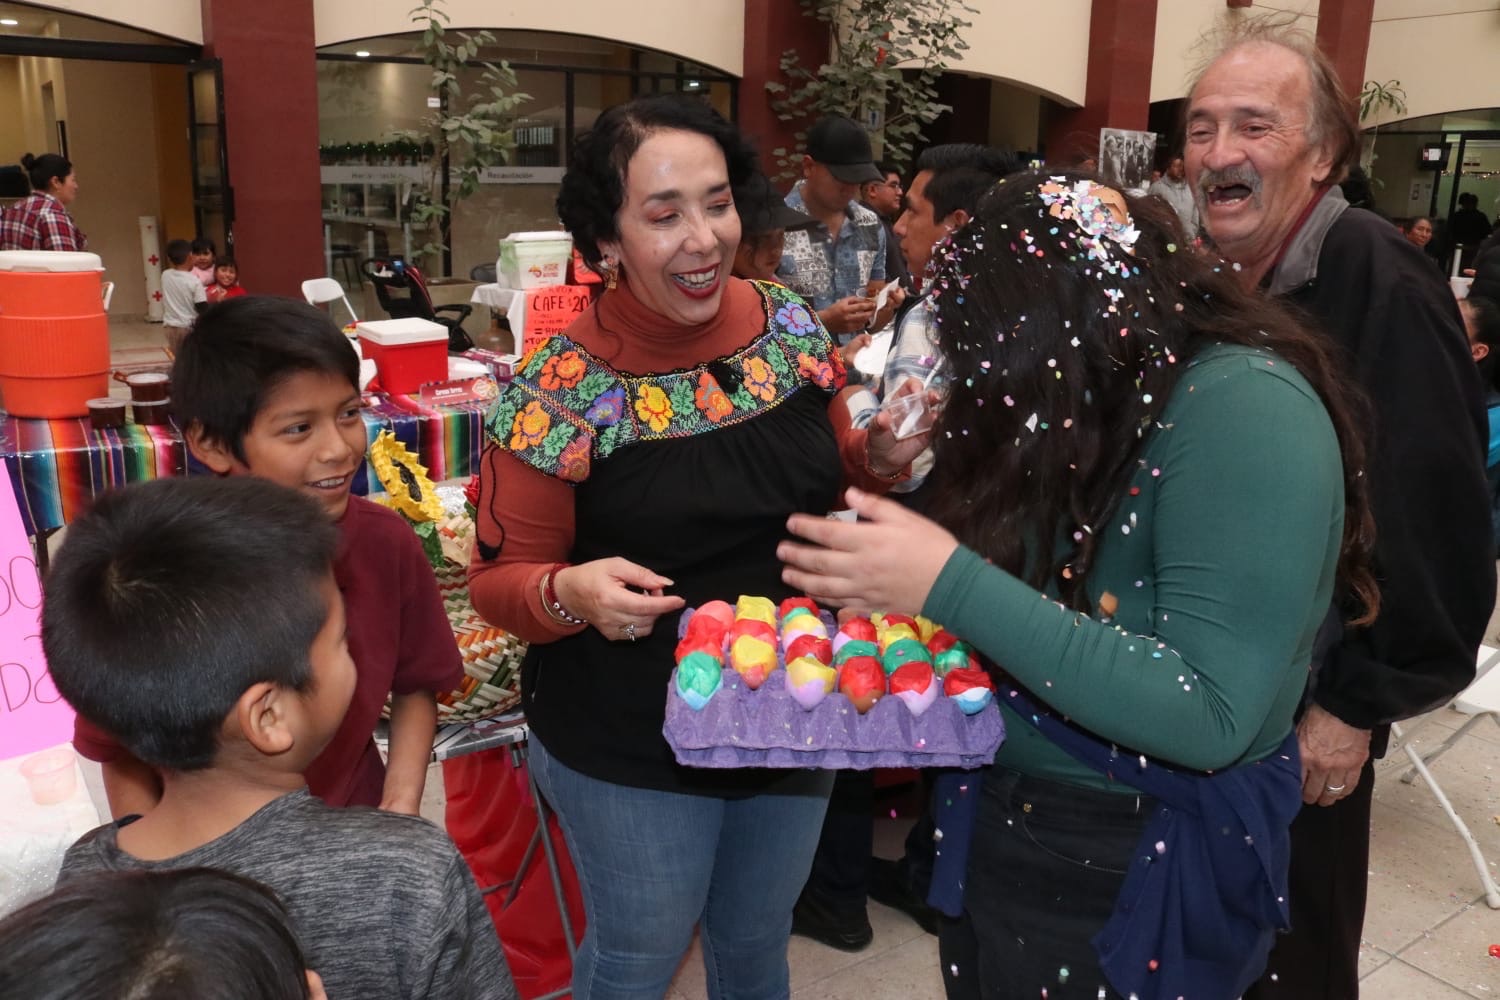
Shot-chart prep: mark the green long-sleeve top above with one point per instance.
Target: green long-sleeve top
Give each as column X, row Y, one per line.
column 1222, row 560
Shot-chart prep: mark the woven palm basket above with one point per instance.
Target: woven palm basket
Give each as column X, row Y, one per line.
column 492, row 657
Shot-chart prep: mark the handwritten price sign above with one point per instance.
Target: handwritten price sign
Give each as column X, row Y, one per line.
column 33, row 716
column 549, row 311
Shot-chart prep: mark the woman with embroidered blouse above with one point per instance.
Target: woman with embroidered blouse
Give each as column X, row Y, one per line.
column 1147, row 494
column 646, row 461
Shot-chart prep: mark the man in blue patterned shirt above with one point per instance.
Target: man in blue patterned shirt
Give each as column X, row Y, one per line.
column 838, row 264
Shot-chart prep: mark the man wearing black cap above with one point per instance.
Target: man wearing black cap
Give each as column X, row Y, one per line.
column 765, row 220
column 840, row 260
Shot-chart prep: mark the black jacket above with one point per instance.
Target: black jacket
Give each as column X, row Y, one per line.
column 1402, row 340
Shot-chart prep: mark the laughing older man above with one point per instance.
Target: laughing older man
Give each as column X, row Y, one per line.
column 1269, row 135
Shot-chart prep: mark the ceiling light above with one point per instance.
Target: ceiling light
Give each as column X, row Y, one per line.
column 363, row 53
column 9, row 22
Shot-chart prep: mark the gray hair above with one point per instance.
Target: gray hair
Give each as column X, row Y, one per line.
column 1332, row 121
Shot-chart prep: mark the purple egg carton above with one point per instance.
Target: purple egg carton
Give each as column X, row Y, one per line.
column 768, row 728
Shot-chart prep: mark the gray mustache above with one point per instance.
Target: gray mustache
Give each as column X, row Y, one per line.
column 1225, row 178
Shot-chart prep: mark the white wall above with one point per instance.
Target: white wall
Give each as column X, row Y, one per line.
column 112, row 143
column 710, row 32
column 1182, row 30
column 182, row 19
column 1041, row 46
column 1442, row 51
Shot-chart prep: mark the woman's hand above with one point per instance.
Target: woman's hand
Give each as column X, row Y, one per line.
column 888, row 455
column 607, row 593
column 888, row 562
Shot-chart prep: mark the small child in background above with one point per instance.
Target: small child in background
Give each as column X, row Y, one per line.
column 200, row 620
column 182, row 295
column 268, row 387
column 194, row 932
column 204, row 253
column 226, row 281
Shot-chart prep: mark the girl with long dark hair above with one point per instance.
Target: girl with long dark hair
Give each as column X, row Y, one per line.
column 1148, row 493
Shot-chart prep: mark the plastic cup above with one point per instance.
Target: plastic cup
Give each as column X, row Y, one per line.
column 106, row 412
column 910, row 414
column 149, row 387
column 50, row 775
column 152, row 414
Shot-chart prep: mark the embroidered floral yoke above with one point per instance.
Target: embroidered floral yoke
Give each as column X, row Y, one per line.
column 566, row 409
column 690, row 472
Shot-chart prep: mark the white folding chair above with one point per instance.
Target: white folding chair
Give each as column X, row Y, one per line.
column 1480, row 699
column 320, row 290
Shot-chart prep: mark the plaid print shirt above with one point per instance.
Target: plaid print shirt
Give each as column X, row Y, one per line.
column 39, row 222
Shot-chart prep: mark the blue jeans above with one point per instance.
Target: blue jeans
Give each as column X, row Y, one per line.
column 654, row 864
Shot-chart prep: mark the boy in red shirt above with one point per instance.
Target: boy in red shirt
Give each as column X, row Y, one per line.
column 269, row 387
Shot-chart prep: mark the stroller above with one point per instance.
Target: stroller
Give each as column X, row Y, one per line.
column 403, row 294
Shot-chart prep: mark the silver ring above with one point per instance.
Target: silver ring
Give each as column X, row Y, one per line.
column 629, row 630
column 1328, row 788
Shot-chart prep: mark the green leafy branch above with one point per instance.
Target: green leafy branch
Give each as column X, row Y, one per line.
column 468, row 132
column 1374, row 101
column 885, row 60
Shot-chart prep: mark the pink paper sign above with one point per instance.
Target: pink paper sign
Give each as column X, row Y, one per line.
column 33, row 716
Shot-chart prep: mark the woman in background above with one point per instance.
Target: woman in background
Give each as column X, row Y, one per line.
column 40, row 221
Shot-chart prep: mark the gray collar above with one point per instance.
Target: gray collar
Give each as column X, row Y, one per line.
column 1299, row 264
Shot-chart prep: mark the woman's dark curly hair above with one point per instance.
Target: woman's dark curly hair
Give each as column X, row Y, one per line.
column 1007, row 313
column 593, row 189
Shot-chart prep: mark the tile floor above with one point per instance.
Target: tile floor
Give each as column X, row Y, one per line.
column 1427, row 932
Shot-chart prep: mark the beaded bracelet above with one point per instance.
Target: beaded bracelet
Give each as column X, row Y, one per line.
column 550, row 602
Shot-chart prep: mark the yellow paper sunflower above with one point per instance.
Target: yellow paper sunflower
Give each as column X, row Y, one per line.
column 407, row 488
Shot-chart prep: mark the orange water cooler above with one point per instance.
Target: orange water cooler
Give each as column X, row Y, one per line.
column 54, row 332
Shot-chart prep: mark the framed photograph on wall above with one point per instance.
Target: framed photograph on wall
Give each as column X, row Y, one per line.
column 1126, row 158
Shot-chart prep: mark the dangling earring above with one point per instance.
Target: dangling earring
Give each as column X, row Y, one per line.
column 611, row 274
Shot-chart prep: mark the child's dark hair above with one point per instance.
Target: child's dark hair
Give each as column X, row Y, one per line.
column 243, row 348
column 205, row 245
column 42, row 170
column 194, row 934
column 225, row 261
column 171, row 598
column 178, row 251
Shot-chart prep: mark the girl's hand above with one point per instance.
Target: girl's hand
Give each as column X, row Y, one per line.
column 887, row 562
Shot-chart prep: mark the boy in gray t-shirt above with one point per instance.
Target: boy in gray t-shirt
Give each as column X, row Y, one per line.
column 199, row 623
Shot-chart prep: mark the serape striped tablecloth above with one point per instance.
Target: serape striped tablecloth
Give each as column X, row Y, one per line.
column 57, row 467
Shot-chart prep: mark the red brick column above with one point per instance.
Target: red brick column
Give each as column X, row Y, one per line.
column 1344, row 36
column 1122, row 41
column 271, row 128
column 772, row 27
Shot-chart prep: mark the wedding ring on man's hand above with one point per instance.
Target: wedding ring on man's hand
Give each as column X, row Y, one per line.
column 629, row 630
column 1335, row 789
